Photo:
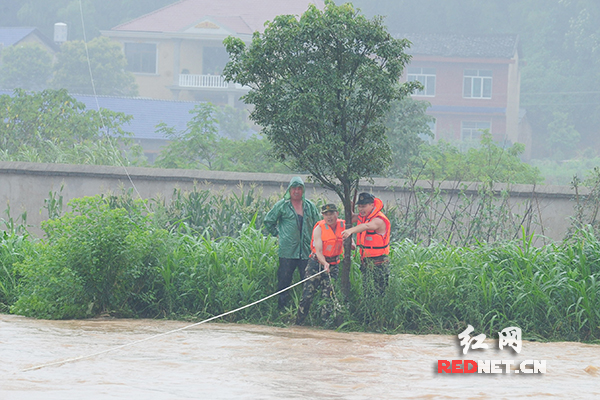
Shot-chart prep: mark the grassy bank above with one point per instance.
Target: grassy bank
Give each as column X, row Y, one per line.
column 117, row 256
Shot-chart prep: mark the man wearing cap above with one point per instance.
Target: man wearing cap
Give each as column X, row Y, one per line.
column 292, row 219
column 373, row 240
column 326, row 248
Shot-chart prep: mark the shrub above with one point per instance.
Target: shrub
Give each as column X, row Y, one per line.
column 96, row 259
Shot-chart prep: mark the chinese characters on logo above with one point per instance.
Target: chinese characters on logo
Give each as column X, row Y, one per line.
column 510, row 336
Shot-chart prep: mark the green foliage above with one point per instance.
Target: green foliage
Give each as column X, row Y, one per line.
column 99, row 258
column 320, row 88
column 213, row 214
column 549, row 292
column 107, row 256
column 13, row 249
column 51, row 126
column 196, row 146
column 204, row 277
column 27, row 66
column 561, row 172
column 15, row 244
column 233, row 122
column 406, row 124
column 488, row 162
column 199, row 146
column 562, row 138
column 251, row 155
column 107, row 64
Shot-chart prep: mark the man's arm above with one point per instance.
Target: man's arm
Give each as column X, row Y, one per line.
column 318, row 243
column 376, row 224
column 270, row 221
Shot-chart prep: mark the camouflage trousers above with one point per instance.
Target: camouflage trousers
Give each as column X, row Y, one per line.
column 312, row 285
column 375, row 273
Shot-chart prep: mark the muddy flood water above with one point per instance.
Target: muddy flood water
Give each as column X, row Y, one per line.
column 234, row 361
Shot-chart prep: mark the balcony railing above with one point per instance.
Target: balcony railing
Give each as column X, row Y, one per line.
column 203, row 81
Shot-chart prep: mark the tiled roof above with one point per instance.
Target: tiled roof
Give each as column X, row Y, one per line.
column 10, row 36
column 464, row 46
column 13, row 35
column 178, row 16
column 147, row 113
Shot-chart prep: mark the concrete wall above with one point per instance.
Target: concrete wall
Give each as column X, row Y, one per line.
column 25, row 186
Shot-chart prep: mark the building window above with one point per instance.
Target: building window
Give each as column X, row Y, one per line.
column 141, row 57
column 427, row 78
column 472, row 130
column 477, row 84
column 214, row 60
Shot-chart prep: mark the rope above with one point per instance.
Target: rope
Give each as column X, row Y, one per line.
column 169, row 332
column 118, row 153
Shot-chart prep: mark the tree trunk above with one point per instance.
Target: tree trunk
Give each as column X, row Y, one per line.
column 345, row 273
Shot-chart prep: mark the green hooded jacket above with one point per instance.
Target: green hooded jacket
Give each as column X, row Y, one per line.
column 294, row 240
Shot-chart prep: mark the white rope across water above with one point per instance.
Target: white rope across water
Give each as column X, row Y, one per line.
column 169, row 332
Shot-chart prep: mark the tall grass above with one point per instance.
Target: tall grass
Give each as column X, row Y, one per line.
column 14, row 245
column 550, row 292
column 112, row 256
column 211, row 213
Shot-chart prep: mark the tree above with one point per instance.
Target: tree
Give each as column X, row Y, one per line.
column 196, row 146
column 407, row 124
column 49, row 120
column 487, row 162
column 200, row 145
column 233, row 122
column 107, row 62
column 320, row 86
column 250, row 155
column 26, row 66
column 562, row 137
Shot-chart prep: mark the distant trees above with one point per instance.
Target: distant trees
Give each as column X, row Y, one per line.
column 51, row 126
column 489, row 162
column 406, row 124
column 107, row 63
column 26, row 66
column 201, row 145
column 30, row 67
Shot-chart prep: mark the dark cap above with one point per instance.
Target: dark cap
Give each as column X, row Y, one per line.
column 365, row 198
column 328, row 207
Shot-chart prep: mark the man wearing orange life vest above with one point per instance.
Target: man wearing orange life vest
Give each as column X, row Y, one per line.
column 373, row 240
column 326, row 248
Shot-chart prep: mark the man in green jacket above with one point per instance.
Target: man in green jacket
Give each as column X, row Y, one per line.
column 292, row 219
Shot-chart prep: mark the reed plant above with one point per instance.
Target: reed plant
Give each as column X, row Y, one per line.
column 15, row 243
column 112, row 255
column 206, row 277
column 213, row 213
column 550, row 292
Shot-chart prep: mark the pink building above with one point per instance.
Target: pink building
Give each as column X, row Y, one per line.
column 471, row 82
column 177, row 52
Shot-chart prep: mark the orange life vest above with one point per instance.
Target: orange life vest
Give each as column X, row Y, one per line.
column 371, row 243
column 332, row 241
